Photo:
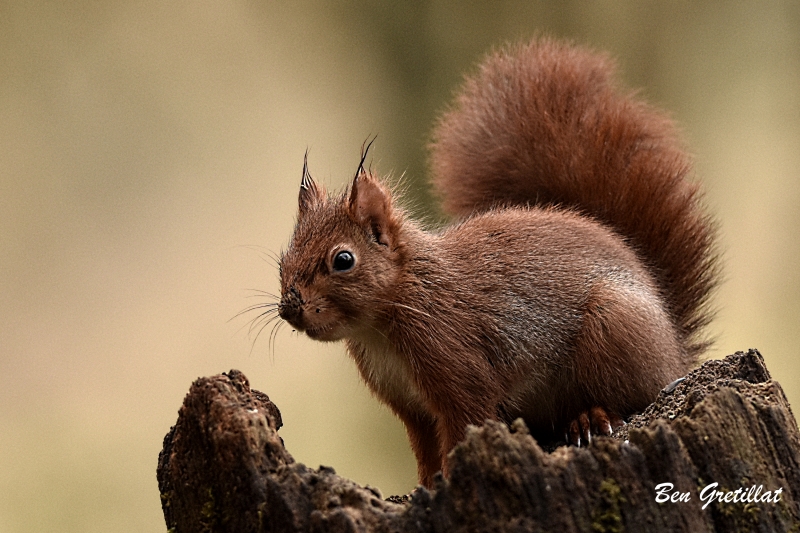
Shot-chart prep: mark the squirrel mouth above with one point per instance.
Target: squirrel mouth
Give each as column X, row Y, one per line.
column 314, row 332
column 322, row 333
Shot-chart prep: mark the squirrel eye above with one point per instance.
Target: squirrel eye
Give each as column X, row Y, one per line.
column 343, row 261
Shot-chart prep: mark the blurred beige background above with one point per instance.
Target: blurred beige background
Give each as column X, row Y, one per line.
column 146, row 147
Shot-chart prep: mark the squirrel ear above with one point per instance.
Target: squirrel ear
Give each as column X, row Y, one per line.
column 371, row 207
column 310, row 193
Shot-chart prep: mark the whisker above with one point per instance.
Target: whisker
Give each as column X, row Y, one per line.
column 264, row 325
column 260, row 292
column 379, row 332
column 252, row 321
column 263, row 251
column 269, row 306
column 273, row 335
column 264, row 318
column 404, row 306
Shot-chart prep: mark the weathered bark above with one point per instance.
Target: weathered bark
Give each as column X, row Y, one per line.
column 224, row 468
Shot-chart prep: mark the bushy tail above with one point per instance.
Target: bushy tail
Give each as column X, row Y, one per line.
column 545, row 124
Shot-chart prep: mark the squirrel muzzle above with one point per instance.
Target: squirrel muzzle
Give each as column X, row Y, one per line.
column 291, row 308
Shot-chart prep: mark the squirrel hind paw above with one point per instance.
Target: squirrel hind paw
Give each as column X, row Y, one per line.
column 595, row 421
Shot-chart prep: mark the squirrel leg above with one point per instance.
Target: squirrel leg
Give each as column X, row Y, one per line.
column 423, row 436
column 626, row 352
column 455, row 397
column 453, row 426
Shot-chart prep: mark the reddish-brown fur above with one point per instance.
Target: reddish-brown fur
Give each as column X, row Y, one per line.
column 572, row 288
column 545, row 124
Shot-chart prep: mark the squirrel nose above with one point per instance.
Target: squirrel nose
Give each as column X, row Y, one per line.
column 291, row 306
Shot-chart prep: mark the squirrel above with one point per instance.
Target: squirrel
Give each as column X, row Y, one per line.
column 572, row 286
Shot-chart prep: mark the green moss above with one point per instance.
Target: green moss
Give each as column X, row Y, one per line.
column 166, row 498
column 744, row 517
column 788, row 516
column 607, row 516
column 208, row 512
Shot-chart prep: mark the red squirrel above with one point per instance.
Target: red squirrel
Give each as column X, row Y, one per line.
column 572, row 286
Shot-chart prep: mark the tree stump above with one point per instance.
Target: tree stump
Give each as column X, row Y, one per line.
column 720, row 451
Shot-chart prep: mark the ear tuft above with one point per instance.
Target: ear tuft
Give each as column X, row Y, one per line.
column 364, row 151
column 310, row 193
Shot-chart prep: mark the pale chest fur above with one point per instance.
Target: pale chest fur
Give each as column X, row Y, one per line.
column 387, row 372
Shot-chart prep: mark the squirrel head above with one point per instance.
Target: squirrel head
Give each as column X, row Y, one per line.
column 344, row 258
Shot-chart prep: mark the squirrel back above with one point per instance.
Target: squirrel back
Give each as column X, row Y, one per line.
column 545, row 124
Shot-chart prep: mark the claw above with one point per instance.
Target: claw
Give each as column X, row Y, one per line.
column 574, row 433
column 596, row 420
column 586, row 428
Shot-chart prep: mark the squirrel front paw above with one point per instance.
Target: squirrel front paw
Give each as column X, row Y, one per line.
column 595, row 421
